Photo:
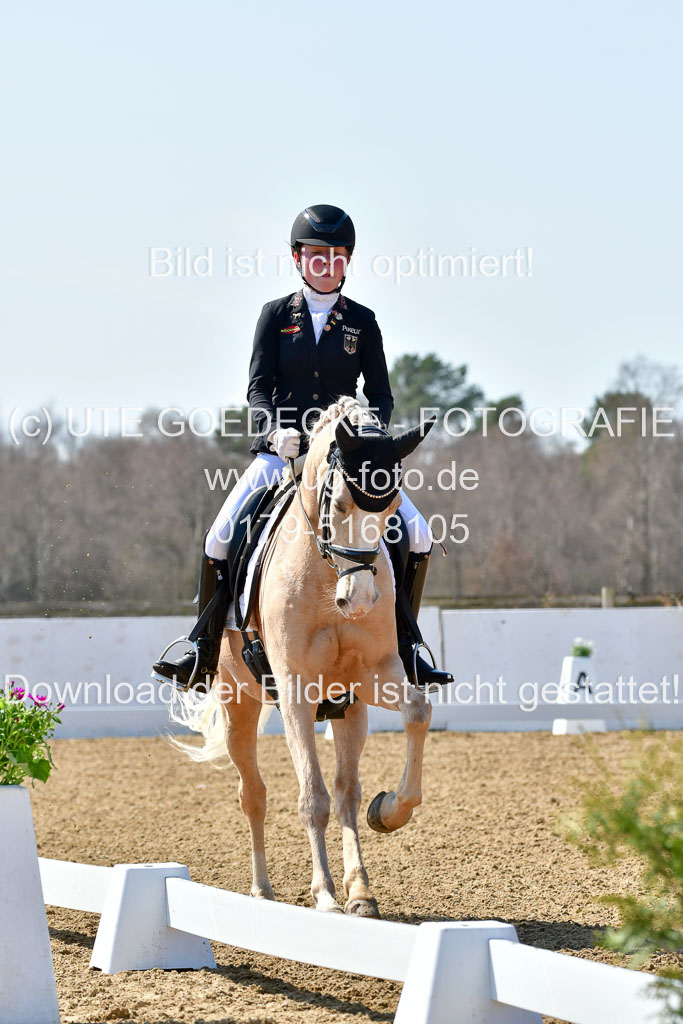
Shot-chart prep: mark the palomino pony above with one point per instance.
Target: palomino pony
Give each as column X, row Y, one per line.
column 327, row 627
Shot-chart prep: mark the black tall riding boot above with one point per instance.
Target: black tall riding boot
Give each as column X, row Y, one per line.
column 419, row 672
column 213, row 577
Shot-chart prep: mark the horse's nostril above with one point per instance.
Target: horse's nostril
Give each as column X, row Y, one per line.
column 341, row 603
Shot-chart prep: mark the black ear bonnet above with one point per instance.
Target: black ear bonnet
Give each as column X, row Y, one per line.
column 369, row 459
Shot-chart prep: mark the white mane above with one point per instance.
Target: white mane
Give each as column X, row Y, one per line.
column 346, row 406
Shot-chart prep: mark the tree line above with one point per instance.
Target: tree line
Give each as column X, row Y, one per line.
column 115, row 524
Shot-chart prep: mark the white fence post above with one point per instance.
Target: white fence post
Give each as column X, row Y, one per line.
column 449, row 977
column 134, row 934
column 27, row 978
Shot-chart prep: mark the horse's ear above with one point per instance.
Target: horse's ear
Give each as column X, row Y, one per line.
column 408, row 441
column 346, row 437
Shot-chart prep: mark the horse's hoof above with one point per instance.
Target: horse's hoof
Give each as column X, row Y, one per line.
column 362, row 908
column 374, row 818
column 263, row 894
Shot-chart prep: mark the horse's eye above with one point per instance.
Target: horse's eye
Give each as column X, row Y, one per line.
column 340, row 507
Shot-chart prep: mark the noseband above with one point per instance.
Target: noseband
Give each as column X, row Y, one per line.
column 363, row 557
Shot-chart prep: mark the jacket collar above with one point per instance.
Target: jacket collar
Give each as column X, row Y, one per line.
column 297, row 302
column 300, row 316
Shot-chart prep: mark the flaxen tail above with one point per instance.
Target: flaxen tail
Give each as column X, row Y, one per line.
column 202, row 713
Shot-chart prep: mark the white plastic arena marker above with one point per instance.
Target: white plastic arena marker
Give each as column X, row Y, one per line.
column 577, row 726
column 27, row 978
column 449, row 977
column 576, row 683
column 134, row 934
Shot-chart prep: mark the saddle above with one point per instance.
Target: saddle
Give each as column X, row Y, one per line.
column 271, row 503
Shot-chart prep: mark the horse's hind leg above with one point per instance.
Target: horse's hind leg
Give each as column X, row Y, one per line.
column 349, row 739
column 243, row 717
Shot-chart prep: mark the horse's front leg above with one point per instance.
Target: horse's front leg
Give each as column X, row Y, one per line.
column 298, row 716
column 349, row 739
column 390, row 689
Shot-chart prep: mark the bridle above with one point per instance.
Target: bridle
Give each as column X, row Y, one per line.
column 364, row 558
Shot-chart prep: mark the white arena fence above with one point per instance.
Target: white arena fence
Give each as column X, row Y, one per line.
column 154, row 916
column 106, row 662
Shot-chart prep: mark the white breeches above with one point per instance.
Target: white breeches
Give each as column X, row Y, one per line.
column 265, row 469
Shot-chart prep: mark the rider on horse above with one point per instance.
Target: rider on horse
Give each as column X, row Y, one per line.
column 309, row 348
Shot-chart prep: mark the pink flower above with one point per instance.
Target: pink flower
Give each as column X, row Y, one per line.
column 60, row 707
column 38, row 700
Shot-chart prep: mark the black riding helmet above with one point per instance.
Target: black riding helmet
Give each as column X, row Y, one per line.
column 323, row 225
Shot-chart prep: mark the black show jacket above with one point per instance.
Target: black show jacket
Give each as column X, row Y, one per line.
column 290, row 373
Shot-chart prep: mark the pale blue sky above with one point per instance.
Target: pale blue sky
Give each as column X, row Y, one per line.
column 130, row 125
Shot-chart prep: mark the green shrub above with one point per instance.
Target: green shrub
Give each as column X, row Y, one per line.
column 26, row 724
column 642, row 817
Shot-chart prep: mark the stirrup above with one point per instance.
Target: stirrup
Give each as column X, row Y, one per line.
column 428, row 687
column 435, row 685
column 194, row 644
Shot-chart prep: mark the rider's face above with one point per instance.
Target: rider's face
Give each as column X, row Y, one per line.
column 323, row 266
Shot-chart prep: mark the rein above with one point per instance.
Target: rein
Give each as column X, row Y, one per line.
column 363, row 557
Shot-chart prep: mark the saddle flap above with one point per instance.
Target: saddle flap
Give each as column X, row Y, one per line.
column 258, row 513
column 243, row 526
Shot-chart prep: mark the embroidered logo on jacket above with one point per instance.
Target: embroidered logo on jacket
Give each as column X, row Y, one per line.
column 350, row 338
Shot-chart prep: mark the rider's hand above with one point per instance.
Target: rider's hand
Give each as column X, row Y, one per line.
column 285, row 442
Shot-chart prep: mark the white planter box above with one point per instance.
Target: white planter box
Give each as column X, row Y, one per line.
column 27, row 979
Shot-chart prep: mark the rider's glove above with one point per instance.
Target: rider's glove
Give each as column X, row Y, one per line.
column 285, row 442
